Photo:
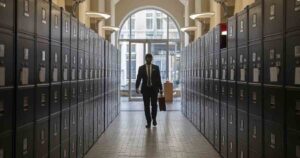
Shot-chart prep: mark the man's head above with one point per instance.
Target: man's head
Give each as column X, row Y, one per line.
column 148, row 58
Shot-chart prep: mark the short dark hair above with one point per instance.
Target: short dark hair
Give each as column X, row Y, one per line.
column 148, row 56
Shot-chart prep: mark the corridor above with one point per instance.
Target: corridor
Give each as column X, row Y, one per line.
column 174, row 137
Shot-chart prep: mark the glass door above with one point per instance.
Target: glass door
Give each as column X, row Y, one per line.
column 159, row 50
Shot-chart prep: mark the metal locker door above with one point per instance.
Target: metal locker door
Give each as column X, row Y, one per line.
column 232, row 64
column 255, row 99
column 293, row 59
column 73, row 146
column 55, row 121
column 7, row 56
column 42, row 102
column 66, row 96
column 255, row 136
column 274, row 139
column 232, row 93
column 66, row 27
column 66, row 63
column 273, row 17
column 242, row 97
column 25, row 16
column 6, row 144
column 232, row 146
column 55, row 153
column 65, row 149
column 25, row 105
column 24, row 142
column 42, row 64
column 55, row 98
column 242, row 133
column 255, row 62
column 293, row 143
column 65, row 125
column 242, row 64
column 81, row 36
column 74, row 93
column 73, row 120
column 55, row 75
column 232, row 29
column 255, row 21
column 242, row 27
column 7, row 14
column 55, row 23
column 6, row 114
column 41, row 138
column 74, row 32
column 293, row 108
column 292, row 13
column 43, row 18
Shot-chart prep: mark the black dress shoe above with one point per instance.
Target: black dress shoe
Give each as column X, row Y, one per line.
column 154, row 123
column 148, row 126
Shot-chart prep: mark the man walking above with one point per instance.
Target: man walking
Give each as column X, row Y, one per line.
column 151, row 85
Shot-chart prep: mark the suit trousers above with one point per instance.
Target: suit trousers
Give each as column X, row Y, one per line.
column 150, row 94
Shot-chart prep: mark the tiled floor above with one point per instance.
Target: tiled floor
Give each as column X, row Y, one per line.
column 174, row 137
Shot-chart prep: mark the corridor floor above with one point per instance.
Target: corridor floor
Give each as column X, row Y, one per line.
column 174, row 137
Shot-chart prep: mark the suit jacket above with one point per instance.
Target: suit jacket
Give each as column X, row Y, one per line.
column 155, row 78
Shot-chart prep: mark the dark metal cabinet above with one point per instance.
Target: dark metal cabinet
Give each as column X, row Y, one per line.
column 232, row 120
column 55, row 152
column 7, row 12
column 274, row 104
column 42, row 18
column 81, row 38
column 66, row 27
column 255, row 99
column 242, row 149
column 65, row 94
column 6, row 113
column 223, row 72
column 80, row 141
column 7, row 56
column 55, row 23
column 54, row 131
column 65, row 149
column 217, row 63
column 25, row 141
column 6, row 144
column 242, row 97
column 273, row 17
column 223, row 141
column 25, row 105
column 80, row 91
column 274, row 139
column 55, row 98
column 41, row 138
column 242, row 64
column 232, row 64
column 74, row 73
column 66, row 63
column 74, row 93
column 25, row 60
column 242, row 120
column 273, row 60
column 65, row 125
column 81, row 65
column 232, row 146
column 293, row 59
column 55, row 75
column 256, row 62
column 42, row 64
column 87, row 40
column 242, row 27
column 42, row 102
column 74, row 33
column 25, row 16
column 73, row 146
column 293, row 143
column 232, row 32
column 293, row 108
column 232, row 93
column 255, row 135
column 255, row 21
column 292, row 13
column 73, row 120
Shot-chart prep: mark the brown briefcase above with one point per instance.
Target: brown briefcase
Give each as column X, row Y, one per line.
column 162, row 103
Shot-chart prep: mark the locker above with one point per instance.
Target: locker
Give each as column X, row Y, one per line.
column 81, row 37
column 274, row 140
column 242, row 149
column 255, row 62
column 255, row 99
column 242, row 64
column 73, row 146
column 24, row 141
column 255, row 136
column 54, row 131
column 255, row 21
column 42, row 64
column 55, row 62
column 232, row 146
column 66, row 28
column 242, row 27
column 66, row 63
column 293, row 141
column 232, row 31
column 293, row 108
column 25, row 16
column 73, row 92
column 223, row 73
column 242, row 127
column 80, row 144
column 273, row 60
column 293, row 59
column 87, row 40
column 41, row 138
column 232, row 64
column 232, row 118
column 217, row 125
column 217, row 35
column 95, row 121
column 86, row 127
column 25, row 104
column 55, row 152
column 25, row 60
column 6, row 144
column 73, row 120
column 80, row 91
column 80, row 115
column 211, row 41
column 211, row 66
column 217, row 63
column 73, row 64
column 274, row 104
column 81, row 65
column 242, row 96
column 202, row 46
column 55, row 23
column 65, row 149
column 223, row 141
column 223, row 117
column 202, row 114
column 66, row 96
column 87, row 90
column 7, row 14
column 253, row 154
column 74, row 33
column 273, row 17
column 6, row 114
column 42, row 102
column 87, row 66
column 42, row 18
column 232, row 93
column 6, row 59
column 223, row 93
column 55, row 98
column 292, row 13
column 91, row 124
column 65, row 124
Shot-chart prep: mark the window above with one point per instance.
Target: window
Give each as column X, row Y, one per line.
column 132, row 23
column 159, row 23
column 149, row 24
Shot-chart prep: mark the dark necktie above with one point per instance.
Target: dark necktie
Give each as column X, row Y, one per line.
column 149, row 76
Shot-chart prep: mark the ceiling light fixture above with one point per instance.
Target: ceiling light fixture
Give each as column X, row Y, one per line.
column 204, row 15
column 97, row 15
column 110, row 28
column 188, row 29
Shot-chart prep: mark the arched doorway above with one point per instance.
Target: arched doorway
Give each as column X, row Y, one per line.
column 149, row 31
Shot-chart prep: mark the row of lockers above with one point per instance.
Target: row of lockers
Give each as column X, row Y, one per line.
column 58, row 82
column 242, row 91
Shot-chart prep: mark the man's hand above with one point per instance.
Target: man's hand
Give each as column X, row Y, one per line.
column 137, row 91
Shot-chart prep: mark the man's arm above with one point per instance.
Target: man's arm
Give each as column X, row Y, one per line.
column 138, row 79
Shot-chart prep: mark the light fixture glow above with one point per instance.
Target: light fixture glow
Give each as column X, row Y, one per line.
column 202, row 15
column 224, row 33
column 188, row 29
column 110, row 28
column 97, row 15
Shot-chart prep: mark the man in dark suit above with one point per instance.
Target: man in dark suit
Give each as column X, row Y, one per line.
column 151, row 85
